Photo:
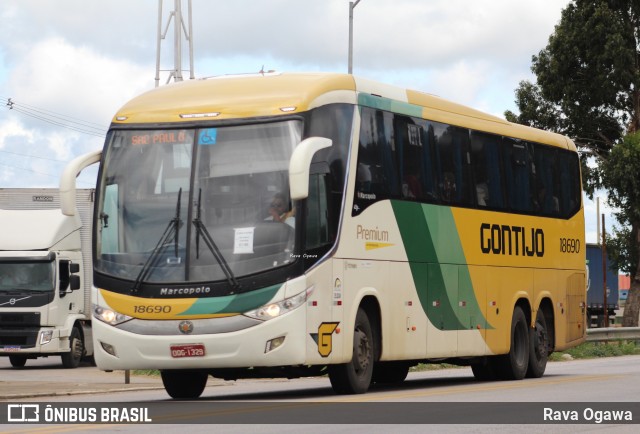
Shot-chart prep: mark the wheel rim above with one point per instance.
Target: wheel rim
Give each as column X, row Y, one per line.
column 76, row 349
column 362, row 357
column 540, row 345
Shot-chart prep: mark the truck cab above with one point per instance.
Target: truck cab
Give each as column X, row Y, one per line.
column 45, row 277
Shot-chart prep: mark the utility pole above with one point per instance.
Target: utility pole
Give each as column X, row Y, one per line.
column 352, row 6
column 179, row 28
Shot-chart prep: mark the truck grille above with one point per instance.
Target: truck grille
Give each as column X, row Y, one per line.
column 19, row 319
column 18, row 336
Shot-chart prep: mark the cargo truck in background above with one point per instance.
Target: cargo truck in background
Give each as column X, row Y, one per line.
column 46, row 271
column 596, row 309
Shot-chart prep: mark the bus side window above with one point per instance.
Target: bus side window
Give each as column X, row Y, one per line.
column 452, row 149
column 485, row 163
column 518, row 174
column 319, row 233
column 376, row 176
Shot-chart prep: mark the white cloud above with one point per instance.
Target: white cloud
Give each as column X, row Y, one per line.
column 85, row 59
column 76, row 80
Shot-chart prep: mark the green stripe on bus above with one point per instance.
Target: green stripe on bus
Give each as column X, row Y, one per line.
column 390, row 105
column 237, row 303
column 438, row 266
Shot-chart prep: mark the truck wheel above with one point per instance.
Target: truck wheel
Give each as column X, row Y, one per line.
column 539, row 349
column 355, row 376
column 72, row 359
column 18, row 361
column 184, row 384
column 513, row 366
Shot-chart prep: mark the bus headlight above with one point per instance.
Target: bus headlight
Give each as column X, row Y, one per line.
column 274, row 310
column 109, row 316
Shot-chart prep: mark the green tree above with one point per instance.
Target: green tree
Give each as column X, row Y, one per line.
column 588, row 88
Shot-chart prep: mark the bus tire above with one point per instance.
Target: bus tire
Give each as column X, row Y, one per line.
column 486, row 369
column 514, row 365
column 18, row 361
column 71, row 359
column 389, row 372
column 355, row 376
column 539, row 347
column 184, row 384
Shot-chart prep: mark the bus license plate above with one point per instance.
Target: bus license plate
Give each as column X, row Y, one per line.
column 188, row 350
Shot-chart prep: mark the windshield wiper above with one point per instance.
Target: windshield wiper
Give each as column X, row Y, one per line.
column 201, row 230
column 172, row 230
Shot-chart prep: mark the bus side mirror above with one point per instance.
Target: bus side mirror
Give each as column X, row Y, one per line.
column 301, row 162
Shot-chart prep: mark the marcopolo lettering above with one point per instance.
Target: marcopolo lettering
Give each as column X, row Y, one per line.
column 511, row 240
column 185, row 291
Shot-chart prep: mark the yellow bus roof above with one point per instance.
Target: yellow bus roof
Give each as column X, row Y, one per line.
column 249, row 96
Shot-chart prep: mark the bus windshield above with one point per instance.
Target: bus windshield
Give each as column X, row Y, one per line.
column 196, row 205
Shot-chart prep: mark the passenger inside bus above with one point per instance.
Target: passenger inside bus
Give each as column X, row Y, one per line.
column 278, row 210
column 449, row 187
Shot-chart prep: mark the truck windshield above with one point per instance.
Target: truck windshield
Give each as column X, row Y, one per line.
column 32, row 276
column 196, row 205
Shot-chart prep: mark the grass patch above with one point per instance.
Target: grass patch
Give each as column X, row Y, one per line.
column 146, row 372
column 592, row 350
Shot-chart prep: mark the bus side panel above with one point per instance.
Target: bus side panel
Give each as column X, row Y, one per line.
column 576, row 311
column 324, row 315
column 473, row 286
column 404, row 323
column 505, row 286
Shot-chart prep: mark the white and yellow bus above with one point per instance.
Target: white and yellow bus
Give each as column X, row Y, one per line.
column 284, row 225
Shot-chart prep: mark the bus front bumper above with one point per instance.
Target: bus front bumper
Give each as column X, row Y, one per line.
column 278, row 342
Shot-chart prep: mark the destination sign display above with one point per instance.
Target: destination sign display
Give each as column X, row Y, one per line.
column 161, row 137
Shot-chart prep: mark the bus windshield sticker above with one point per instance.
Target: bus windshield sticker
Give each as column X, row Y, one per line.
column 208, row 136
column 243, row 240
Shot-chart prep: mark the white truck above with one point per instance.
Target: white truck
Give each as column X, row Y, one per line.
column 46, row 271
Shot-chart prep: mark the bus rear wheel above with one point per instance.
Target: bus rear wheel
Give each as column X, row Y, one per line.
column 513, row 366
column 539, row 350
column 485, row 370
column 184, row 384
column 355, row 376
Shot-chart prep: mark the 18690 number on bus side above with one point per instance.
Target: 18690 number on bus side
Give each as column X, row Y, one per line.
column 569, row 245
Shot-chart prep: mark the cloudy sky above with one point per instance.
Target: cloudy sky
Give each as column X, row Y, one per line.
column 68, row 65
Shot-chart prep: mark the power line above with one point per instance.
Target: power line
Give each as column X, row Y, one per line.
column 33, row 156
column 41, row 173
column 57, row 119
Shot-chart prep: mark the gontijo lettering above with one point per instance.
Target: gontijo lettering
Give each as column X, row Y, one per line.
column 511, row 240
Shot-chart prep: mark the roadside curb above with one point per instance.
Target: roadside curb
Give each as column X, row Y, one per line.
column 25, row 389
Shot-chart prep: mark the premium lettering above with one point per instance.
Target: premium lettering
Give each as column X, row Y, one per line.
column 511, row 240
column 371, row 234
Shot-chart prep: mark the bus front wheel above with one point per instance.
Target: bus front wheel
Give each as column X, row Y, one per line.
column 184, row 384
column 355, row 376
column 514, row 364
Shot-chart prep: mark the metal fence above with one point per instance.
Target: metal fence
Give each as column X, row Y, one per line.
column 613, row 334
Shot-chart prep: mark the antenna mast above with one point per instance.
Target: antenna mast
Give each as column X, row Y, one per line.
column 179, row 28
